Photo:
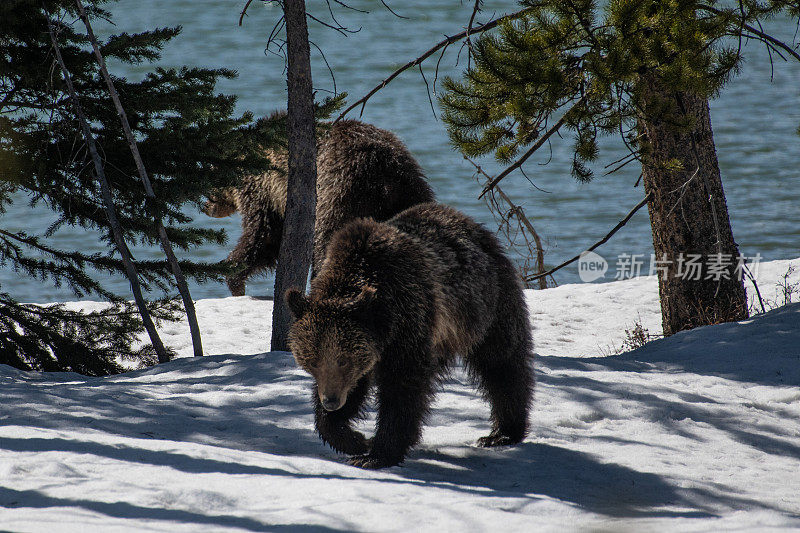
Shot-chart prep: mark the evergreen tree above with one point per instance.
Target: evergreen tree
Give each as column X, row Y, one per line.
column 640, row 69
column 191, row 142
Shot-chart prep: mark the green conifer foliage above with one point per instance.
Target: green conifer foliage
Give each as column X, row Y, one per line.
column 191, row 141
column 642, row 70
column 563, row 51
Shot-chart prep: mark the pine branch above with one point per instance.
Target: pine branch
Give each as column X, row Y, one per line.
column 53, row 338
column 419, row 60
column 524, row 157
column 166, row 245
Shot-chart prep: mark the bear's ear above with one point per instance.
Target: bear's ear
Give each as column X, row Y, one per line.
column 297, row 302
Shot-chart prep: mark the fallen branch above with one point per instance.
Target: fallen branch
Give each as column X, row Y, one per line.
column 116, row 229
column 446, row 42
column 598, row 243
column 166, row 245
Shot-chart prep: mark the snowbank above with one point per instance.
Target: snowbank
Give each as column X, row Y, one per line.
column 695, row 432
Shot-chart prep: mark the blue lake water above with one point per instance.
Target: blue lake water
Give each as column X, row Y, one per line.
column 754, row 122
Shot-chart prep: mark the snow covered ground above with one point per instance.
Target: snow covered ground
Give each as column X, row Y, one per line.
column 697, row 432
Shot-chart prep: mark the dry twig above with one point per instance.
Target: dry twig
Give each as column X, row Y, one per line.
column 519, row 213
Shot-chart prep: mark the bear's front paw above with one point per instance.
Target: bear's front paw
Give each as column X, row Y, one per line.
column 355, row 447
column 345, row 441
column 371, row 462
column 496, row 439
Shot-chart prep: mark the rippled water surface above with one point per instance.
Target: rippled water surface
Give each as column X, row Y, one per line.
column 754, row 123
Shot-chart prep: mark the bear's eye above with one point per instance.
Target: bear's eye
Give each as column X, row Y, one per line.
column 313, row 364
column 344, row 363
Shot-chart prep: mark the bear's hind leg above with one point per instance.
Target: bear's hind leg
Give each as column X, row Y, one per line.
column 501, row 365
column 334, row 427
column 257, row 248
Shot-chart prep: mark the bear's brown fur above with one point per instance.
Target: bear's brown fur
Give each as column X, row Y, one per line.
column 392, row 305
column 362, row 171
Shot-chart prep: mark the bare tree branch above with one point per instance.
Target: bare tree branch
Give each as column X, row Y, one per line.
column 749, row 274
column 244, row 11
column 518, row 212
column 764, row 36
column 349, row 7
column 339, row 28
column 166, row 245
column 392, row 11
column 414, row 62
column 330, row 70
column 333, row 16
column 598, row 243
column 475, row 9
column 427, row 90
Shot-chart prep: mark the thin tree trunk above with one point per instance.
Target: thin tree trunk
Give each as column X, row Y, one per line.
column 294, row 257
column 166, row 245
column 688, row 213
column 116, row 229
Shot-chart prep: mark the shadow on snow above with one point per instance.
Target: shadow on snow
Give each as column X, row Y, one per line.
column 279, row 422
column 10, row 498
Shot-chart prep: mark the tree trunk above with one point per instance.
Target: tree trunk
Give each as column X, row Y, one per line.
column 294, row 257
column 688, row 213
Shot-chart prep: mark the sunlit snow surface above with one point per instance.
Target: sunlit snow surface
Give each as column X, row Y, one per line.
column 700, row 431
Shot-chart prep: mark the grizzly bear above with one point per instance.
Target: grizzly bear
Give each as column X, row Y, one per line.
column 392, row 305
column 362, row 171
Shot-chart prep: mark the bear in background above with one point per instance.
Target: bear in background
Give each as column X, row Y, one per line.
column 362, row 171
column 392, row 305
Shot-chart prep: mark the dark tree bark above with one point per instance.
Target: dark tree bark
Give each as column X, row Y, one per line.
column 688, row 213
column 294, row 257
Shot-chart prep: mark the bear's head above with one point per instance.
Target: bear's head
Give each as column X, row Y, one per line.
column 333, row 340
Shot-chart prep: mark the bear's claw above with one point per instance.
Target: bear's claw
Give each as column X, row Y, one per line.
column 492, row 440
column 370, row 462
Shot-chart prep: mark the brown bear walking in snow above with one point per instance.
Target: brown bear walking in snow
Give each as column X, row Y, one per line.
column 392, row 305
column 362, row 171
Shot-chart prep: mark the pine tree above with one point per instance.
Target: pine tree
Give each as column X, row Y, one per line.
column 641, row 70
column 191, row 142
